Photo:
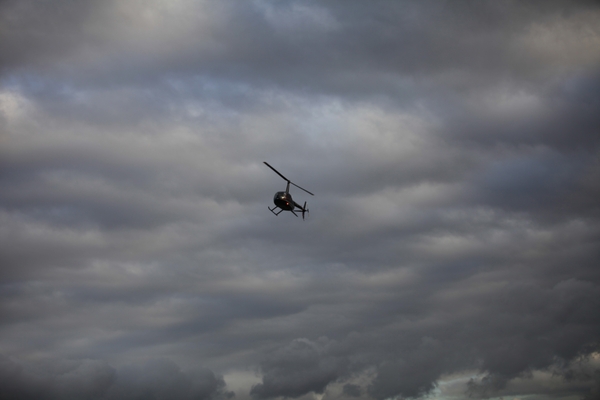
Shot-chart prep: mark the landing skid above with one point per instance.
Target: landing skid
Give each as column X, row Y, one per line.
column 304, row 210
column 273, row 210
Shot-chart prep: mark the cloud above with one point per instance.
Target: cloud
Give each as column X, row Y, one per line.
column 519, row 330
column 299, row 368
column 452, row 244
column 92, row 379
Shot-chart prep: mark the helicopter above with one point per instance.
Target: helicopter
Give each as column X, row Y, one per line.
column 283, row 200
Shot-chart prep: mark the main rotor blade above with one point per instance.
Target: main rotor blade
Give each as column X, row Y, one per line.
column 277, row 172
column 302, row 188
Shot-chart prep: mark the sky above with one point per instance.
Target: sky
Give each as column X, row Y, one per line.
column 452, row 249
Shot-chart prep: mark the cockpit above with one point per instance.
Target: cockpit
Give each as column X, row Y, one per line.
column 283, row 200
column 281, row 196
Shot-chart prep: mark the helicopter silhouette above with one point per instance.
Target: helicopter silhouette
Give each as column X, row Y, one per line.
column 283, row 200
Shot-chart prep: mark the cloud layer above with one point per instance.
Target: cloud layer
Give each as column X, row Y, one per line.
column 452, row 246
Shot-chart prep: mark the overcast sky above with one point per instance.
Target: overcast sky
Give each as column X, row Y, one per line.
column 453, row 244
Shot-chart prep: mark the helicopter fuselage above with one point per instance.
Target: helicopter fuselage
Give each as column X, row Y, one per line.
column 284, row 201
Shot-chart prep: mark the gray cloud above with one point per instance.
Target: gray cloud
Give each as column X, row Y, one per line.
column 297, row 369
column 451, row 248
column 90, row 379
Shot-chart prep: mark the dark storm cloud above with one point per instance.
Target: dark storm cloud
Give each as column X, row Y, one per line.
column 299, row 368
column 352, row 390
column 452, row 244
column 523, row 328
column 90, row 379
